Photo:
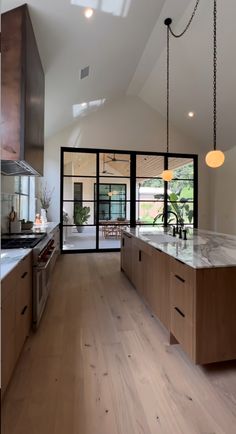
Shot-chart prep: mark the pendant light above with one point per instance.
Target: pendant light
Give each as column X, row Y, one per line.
column 216, row 157
column 167, row 174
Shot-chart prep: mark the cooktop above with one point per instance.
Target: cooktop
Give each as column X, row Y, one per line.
column 16, row 241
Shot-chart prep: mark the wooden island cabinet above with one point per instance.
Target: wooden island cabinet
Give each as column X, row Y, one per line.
column 196, row 305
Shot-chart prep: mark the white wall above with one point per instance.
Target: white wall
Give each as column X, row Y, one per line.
column 127, row 123
column 223, row 195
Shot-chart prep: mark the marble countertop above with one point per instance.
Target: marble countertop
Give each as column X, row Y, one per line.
column 10, row 258
column 203, row 249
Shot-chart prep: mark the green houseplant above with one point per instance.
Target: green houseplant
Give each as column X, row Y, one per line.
column 81, row 216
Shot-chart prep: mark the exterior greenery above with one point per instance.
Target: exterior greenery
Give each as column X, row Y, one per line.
column 180, row 196
column 81, row 214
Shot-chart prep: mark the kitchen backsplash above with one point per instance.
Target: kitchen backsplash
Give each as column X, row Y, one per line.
column 7, row 202
column 9, row 199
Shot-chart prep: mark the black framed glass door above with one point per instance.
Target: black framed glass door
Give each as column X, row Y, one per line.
column 94, row 217
column 130, row 192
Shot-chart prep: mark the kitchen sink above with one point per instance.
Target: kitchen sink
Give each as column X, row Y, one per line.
column 161, row 238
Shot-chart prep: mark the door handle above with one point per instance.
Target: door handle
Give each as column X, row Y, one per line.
column 140, row 255
column 24, row 274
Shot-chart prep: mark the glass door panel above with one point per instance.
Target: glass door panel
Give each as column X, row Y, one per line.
column 79, row 177
column 113, row 198
column 150, row 189
column 180, row 199
column 114, row 164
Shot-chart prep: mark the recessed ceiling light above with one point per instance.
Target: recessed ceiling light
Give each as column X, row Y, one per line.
column 88, row 12
column 191, row 114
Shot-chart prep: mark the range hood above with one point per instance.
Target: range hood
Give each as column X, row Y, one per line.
column 22, row 96
column 9, row 167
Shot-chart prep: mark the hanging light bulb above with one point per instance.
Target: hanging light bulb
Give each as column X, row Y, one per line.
column 216, row 157
column 167, row 174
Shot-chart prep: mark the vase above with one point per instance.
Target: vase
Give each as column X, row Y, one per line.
column 44, row 216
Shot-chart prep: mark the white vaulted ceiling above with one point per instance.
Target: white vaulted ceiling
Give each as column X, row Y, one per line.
column 126, row 51
column 111, row 43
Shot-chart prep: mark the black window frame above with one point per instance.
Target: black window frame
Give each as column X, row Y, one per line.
column 133, row 179
column 109, row 200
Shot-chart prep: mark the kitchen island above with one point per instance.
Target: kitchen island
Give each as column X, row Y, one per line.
column 190, row 285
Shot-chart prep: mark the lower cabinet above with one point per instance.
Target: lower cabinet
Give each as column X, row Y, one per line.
column 126, row 254
column 16, row 311
column 197, row 306
column 159, row 298
column 182, row 290
column 142, row 271
column 149, row 273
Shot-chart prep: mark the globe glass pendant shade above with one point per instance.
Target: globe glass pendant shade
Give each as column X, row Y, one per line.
column 215, row 159
column 167, row 175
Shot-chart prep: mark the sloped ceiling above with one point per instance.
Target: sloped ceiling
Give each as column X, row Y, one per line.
column 127, row 54
column 111, row 43
column 191, row 72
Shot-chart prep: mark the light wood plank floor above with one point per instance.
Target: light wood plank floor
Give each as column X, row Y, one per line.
column 100, row 363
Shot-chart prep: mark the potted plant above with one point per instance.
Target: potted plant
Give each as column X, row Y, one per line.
column 81, row 216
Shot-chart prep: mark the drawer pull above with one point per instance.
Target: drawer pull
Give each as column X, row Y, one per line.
column 180, row 312
column 140, row 255
column 179, row 278
column 123, row 242
column 23, row 310
column 24, row 274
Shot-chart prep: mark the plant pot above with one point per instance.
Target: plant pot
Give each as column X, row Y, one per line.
column 80, row 229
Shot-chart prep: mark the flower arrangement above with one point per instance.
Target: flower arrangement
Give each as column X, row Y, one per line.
column 45, row 196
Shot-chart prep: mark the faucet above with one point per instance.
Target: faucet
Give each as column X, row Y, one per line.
column 177, row 220
column 163, row 214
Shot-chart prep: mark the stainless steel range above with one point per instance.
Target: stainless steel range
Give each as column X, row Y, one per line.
column 44, row 257
column 23, row 240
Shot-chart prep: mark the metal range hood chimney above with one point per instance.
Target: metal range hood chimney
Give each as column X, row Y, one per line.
column 22, row 96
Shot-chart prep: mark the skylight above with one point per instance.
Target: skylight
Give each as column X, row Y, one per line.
column 118, row 8
column 83, row 108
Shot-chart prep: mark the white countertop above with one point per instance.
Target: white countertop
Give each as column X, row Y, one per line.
column 203, row 249
column 10, row 258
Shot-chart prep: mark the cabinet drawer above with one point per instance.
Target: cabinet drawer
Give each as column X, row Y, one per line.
column 181, row 295
column 182, row 329
column 183, row 271
column 24, row 267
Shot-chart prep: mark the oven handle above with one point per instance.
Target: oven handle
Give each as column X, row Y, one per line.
column 48, row 261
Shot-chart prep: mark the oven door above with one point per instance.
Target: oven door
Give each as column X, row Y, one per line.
column 41, row 285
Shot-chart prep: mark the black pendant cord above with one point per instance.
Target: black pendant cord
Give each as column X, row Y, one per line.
column 167, row 88
column 214, row 74
column 178, row 35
